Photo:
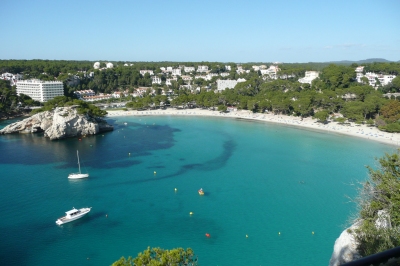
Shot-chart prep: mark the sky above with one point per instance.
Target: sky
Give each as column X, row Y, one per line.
column 238, row 31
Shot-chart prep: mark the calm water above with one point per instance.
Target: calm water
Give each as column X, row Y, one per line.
column 259, row 179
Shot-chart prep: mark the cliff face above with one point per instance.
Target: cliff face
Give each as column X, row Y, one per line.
column 345, row 249
column 62, row 122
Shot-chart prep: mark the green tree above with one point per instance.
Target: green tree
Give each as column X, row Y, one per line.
column 160, row 257
column 321, row 115
column 390, row 111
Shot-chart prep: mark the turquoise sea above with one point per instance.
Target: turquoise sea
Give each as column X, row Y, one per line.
column 273, row 183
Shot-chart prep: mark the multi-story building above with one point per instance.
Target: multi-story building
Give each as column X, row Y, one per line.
column 359, row 73
column 202, row 69
column 309, row 77
column 41, row 91
column 272, row 71
column 99, row 97
column 143, row 72
column 155, row 80
column 187, row 78
column 13, row 78
column 227, row 84
column 188, row 69
column 84, row 93
column 373, row 79
column 176, row 72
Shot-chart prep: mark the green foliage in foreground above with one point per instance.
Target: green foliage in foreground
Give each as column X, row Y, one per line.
column 380, row 192
column 83, row 107
column 160, row 257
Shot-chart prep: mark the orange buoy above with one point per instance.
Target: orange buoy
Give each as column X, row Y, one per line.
column 207, row 235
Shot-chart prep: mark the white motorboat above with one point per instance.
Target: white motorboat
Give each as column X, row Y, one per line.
column 79, row 174
column 73, row 215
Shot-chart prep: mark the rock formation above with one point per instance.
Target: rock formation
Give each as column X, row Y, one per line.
column 345, row 249
column 62, row 122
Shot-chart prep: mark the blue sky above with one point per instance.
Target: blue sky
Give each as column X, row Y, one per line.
column 223, row 31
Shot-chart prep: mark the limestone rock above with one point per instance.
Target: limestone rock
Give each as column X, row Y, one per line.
column 62, row 122
column 345, row 249
column 383, row 220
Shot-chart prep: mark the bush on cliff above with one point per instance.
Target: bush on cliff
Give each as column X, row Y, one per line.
column 381, row 193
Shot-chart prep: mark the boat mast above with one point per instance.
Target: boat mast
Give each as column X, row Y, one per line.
column 79, row 165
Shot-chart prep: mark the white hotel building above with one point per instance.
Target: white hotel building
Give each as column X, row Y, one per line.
column 41, row 91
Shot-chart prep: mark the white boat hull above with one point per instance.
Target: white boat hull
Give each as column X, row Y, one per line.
column 77, row 176
column 67, row 219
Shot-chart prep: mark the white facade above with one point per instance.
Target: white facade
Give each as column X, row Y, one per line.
column 155, row 80
column 41, row 91
column 202, row 69
column 227, row 84
column 83, row 93
column 168, row 82
column 187, row 78
column 309, row 77
column 359, row 73
column 176, row 72
column 240, row 70
column 228, row 68
column 272, row 71
column 383, row 79
column 109, row 65
column 11, row 77
column 96, row 65
column 373, row 77
column 189, row 69
column 97, row 97
column 143, row 72
column 201, row 77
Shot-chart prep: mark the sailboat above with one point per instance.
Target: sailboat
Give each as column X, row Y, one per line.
column 78, row 175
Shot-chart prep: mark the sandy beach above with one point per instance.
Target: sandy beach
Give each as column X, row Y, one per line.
column 361, row 131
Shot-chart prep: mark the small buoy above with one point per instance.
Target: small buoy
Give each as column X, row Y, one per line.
column 190, row 213
column 106, row 215
column 279, row 233
column 207, row 235
column 247, row 236
column 79, row 139
column 155, row 172
column 88, row 258
column 91, row 145
column 312, row 232
column 176, row 189
column 102, row 135
column 129, row 154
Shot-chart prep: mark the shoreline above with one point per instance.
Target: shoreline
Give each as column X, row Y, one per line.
column 359, row 131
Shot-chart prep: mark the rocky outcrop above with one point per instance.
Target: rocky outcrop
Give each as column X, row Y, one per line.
column 345, row 249
column 62, row 122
